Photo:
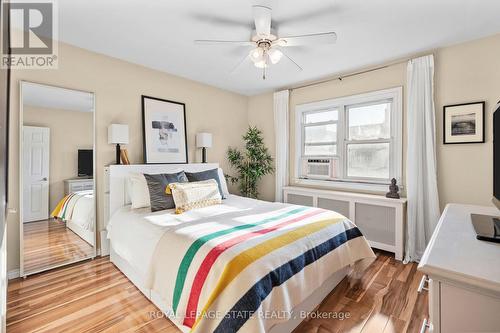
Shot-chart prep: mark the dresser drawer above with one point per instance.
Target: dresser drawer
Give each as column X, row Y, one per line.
column 463, row 310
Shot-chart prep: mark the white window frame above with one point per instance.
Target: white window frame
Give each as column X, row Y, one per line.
column 370, row 184
column 330, row 122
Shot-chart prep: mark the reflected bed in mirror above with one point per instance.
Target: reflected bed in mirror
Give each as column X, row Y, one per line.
column 56, row 177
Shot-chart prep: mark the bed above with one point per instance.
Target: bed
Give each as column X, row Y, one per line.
column 245, row 265
column 77, row 211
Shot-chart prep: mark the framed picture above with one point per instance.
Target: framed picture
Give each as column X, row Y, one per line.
column 164, row 131
column 463, row 123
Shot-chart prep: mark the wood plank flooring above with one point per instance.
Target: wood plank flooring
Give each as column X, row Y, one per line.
column 49, row 243
column 94, row 296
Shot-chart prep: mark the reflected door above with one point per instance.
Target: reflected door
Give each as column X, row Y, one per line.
column 36, row 145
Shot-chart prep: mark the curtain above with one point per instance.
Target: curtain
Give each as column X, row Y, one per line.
column 280, row 108
column 422, row 192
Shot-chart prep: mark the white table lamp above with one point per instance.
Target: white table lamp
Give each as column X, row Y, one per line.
column 204, row 141
column 118, row 134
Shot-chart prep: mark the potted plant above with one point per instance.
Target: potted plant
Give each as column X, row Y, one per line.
column 252, row 164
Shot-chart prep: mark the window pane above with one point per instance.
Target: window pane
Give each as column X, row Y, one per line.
column 370, row 160
column 318, row 117
column 370, row 122
column 321, row 133
column 327, row 150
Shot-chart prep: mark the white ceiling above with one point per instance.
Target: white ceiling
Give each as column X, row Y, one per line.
column 50, row 97
column 160, row 33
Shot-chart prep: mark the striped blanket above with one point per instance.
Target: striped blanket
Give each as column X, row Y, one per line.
column 232, row 272
column 76, row 207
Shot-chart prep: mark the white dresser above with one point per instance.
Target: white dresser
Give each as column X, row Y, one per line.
column 78, row 184
column 462, row 275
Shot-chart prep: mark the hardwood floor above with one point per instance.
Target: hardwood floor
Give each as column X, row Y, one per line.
column 384, row 300
column 49, row 243
column 94, row 296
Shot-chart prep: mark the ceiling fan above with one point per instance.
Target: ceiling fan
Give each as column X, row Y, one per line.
column 268, row 46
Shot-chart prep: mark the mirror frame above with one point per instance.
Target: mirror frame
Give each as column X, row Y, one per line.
column 22, row 273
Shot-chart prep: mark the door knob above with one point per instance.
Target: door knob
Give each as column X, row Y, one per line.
column 44, row 179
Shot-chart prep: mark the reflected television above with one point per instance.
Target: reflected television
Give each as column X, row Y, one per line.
column 85, row 162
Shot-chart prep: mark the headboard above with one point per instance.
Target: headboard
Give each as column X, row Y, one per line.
column 117, row 175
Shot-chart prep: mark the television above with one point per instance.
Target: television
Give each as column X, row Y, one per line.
column 488, row 227
column 496, row 156
column 85, row 162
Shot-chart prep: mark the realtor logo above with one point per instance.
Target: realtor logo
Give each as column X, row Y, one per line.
column 33, row 40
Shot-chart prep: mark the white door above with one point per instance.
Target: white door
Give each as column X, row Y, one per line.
column 36, row 142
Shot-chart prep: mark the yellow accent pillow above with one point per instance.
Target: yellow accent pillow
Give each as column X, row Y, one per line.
column 193, row 195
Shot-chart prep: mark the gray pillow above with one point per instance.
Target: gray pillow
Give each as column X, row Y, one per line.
column 157, row 185
column 206, row 175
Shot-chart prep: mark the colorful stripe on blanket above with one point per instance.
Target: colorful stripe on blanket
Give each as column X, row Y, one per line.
column 294, row 228
column 244, row 259
column 193, row 249
column 61, row 208
column 252, row 299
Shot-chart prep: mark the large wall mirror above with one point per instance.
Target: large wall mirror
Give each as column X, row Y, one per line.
column 57, row 168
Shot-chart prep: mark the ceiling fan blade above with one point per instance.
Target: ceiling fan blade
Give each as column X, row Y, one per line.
column 214, row 19
column 262, row 19
column 293, row 61
column 219, row 42
column 312, row 39
column 238, row 65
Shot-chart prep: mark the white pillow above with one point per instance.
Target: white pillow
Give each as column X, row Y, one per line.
column 138, row 191
column 223, row 183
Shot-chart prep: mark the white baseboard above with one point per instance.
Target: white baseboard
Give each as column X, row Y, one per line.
column 13, row 274
column 104, row 243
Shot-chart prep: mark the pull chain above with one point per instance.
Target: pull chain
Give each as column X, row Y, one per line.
column 264, row 56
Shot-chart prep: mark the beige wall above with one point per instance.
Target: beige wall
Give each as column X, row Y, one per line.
column 69, row 131
column 260, row 114
column 118, row 86
column 465, row 72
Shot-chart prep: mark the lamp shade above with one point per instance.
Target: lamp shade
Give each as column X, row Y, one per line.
column 204, row 140
column 117, row 134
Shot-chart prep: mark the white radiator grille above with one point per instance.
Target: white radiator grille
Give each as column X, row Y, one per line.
column 377, row 223
column 298, row 199
column 338, row 206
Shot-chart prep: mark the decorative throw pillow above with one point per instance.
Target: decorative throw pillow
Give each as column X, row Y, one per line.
column 223, row 183
column 192, row 195
column 157, row 184
column 138, row 191
column 206, row 175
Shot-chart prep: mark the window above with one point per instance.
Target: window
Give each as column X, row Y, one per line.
column 320, row 133
column 357, row 139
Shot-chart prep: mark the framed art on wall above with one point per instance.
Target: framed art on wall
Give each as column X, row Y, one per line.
column 164, row 131
column 463, row 123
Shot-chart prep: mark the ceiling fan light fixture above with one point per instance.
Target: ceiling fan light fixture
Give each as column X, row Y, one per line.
column 274, row 55
column 268, row 45
column 256, row 54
